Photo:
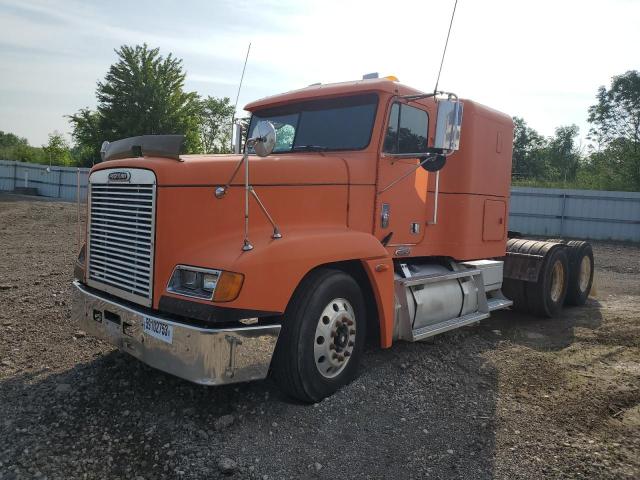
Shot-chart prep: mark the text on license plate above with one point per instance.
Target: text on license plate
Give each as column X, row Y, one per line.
column 158, row 329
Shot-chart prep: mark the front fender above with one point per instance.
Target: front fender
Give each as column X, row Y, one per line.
column 273, row 270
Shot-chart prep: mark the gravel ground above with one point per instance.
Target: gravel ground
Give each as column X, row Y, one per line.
column 514, row 397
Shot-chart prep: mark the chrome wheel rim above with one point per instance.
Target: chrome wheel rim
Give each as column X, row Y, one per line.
column 585, row 273
column 557, row 281
column 335, row 338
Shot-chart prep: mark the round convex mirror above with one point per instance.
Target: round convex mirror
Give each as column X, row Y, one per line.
column 265, row 138
column 435, row 163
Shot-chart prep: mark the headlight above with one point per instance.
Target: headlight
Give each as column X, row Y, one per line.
column 205, row 283
column 209, row 281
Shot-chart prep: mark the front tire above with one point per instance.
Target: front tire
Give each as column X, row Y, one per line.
column 322, row 336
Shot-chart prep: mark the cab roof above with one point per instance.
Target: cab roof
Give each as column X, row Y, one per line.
column 380, row 85
column 384, row 85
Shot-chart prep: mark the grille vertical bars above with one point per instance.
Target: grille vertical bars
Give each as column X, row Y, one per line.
column 120, row 243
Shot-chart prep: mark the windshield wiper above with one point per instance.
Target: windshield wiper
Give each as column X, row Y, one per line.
column 310, row 148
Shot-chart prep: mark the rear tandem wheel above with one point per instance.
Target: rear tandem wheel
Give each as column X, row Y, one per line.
column 545, row 296
column 581, row 268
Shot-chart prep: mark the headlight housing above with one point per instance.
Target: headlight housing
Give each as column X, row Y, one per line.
column 205, row 283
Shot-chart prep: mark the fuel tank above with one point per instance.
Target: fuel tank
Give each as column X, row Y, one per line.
column 437, row 302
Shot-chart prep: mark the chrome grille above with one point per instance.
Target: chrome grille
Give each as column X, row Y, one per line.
column 121, row 237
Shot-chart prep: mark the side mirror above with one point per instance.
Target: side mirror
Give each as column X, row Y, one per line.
column 448, row 125
column 435, row 163
column 264, row 138
column 103, row 150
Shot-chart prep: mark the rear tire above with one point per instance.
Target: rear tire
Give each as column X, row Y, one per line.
column 580, row 272
column 322, row 336
column 546, row 296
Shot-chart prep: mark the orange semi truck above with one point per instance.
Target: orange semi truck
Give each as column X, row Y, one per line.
column 357, row 209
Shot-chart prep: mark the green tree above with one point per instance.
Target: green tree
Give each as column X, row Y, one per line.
column 142, row 93
column 611, row 168
column 57, row 151
column 88, row 136
column 563, row 155
column 529, row 157
column 616, row 130
column 216, row 115
column 8, row 140
column 17, row 148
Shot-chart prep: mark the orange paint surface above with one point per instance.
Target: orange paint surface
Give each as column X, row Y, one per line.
column 327, row 206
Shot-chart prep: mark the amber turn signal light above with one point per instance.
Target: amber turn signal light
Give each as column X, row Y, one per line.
column 228, row 287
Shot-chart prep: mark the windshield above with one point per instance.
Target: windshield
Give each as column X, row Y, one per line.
column 343, row 123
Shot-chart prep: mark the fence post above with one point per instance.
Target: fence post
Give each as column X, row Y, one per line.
column 564, row 202
column 15, row 175
column 78, row 202
column 59, row 182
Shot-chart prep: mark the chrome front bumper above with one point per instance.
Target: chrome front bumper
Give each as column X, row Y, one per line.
column 208, row 356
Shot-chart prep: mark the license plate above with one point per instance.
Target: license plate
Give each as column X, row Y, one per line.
column 158, row 329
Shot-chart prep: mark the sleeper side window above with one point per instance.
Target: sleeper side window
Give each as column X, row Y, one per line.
column 407, row 130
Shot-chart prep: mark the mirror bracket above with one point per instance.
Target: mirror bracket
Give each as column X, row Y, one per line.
column 263, row 143
column 424, row 158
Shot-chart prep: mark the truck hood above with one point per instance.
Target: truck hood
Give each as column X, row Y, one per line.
column 210, row 170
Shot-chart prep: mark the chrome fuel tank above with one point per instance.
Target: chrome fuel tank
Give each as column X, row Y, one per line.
column 436, row 302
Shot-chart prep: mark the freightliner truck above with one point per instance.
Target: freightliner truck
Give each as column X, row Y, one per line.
column 355, row 210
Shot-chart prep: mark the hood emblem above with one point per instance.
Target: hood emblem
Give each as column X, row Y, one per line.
column 119, row 176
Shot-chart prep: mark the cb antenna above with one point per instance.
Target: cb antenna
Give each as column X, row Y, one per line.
column 435, row 90
column 233, row 117
column 242, row 76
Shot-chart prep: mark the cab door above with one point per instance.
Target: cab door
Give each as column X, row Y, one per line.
column 401, row 203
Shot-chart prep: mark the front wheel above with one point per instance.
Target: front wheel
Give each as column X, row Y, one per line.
column 322, row 336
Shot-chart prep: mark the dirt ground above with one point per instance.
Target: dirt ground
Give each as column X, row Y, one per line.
column 512, row 398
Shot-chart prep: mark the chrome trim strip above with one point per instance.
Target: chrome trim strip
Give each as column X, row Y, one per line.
column 119, row 249
column 207, row 356
column 127, row 237
column 102, row 260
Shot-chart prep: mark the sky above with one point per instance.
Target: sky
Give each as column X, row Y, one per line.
column 537, row 59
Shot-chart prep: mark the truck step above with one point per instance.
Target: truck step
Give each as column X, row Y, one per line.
column 435, row 329
column 498, row 303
